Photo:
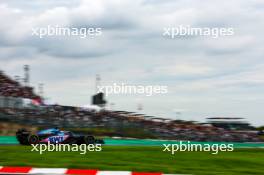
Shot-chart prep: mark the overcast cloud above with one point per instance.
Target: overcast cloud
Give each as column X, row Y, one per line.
column 206, row 77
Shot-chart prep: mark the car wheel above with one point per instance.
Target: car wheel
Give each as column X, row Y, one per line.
column 89, row 140
column 33, row 139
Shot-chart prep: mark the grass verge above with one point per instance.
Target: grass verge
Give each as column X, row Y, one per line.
column 140, row 159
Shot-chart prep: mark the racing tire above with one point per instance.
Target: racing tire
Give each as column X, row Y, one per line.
column 33, row 139
column 89, row 140
column 22, row 135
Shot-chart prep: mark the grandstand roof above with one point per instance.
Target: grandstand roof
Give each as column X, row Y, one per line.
column 158, row 118
column 123, row 112
column 139, row 115
column 148, row 116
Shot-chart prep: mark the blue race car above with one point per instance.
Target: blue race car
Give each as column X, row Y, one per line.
column 54, row 136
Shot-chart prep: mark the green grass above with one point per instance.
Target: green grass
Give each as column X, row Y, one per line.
column 141, row 159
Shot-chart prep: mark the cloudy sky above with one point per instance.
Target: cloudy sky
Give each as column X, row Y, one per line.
column 206, row 77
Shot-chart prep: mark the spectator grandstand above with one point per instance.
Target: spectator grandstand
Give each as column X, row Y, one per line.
column 72, row 117
column 11, row 88
column 117, row 121
column 230, row 123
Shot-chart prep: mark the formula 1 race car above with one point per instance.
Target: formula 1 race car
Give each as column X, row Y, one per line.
column 54, row 136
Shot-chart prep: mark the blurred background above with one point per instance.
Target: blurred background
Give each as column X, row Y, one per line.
column 215, row 85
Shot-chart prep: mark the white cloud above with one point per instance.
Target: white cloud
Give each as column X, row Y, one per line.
column 185, row 69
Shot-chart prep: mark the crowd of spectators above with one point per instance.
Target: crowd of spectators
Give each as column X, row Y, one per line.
column 201, row 132
column 71, row 117
column 74, row 117
column 12, row 88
